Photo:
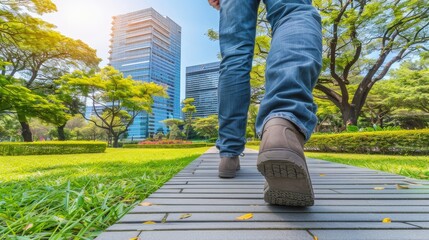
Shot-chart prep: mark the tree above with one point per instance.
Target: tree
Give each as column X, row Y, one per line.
column 9, row 127
column 91, row 132
column 22, row 102
column 40, row 130
column 251, row 121
column 188, row 109
column 36, row 55
column 207, row 127
column 173, row 121
column 116, row 101
column 412, row 85
column 363, row 40
column 174, row 125
column 328, row 115
column 379, row 104
column 16, row 24
column 175, row 133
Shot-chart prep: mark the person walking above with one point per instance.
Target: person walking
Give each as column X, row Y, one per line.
column 286, row 117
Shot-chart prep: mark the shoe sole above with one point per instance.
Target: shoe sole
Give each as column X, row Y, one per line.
column 288, row 181
column 226, row 175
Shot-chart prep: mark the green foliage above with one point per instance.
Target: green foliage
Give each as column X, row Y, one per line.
column 173, row 121
column 409, row 166
column 50, row 148
column 412, row 86
column 116, row 100
column 192, row 145
column 188, row 109
column 385, row 142
column 207, row 127
column 175, row 133
column 37, row 6
column 9, row 128
column 363, row 40
column 17, row 98
column 79, row 196
column 352, row 128
column 328, row 114
column 32, row 55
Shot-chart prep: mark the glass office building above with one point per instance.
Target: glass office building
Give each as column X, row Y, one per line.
column 202, row 85
column 146, row 46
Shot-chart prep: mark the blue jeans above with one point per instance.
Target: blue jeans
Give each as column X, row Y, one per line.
column 293, row 66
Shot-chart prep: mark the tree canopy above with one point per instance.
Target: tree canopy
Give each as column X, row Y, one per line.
column 116, row 101
column 363, row 40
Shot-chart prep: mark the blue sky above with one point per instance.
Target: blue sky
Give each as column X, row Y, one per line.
column 90, row 21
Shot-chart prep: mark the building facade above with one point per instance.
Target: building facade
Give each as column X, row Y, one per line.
column 202, row 85
column 146, row 46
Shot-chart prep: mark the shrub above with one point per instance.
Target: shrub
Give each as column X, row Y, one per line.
column 253, row 143
column 385, row 142
column 51, row 147
column 212, row 140
column 193, row 145
column 151, row 142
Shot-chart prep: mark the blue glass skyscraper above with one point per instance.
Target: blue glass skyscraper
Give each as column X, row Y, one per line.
column 146, row 46
column 202, row 85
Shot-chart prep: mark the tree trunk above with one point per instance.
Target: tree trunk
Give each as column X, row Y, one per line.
column 187, row 131
column 25, row 128
column 349, row 116
column 61, row 133
column 26, row 132
column 116, row 141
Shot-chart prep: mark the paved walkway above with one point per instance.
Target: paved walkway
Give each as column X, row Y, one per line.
column 351, row 204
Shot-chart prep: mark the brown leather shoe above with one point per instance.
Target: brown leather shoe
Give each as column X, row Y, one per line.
column 228, row 166
column 281, row 160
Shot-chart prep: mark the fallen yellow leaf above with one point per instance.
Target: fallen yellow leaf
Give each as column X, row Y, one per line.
column 322, row 174
column 135, row 238
column 387, row 220
column 315, row 238
column 379, row 188
column 145, row 204
column 186, row 215
column 30, row 225
column 245, row 216
column 149, row 222
column 398, row 186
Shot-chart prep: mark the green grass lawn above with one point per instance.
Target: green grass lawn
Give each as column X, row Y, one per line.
column 78, row 196
column 410, row 166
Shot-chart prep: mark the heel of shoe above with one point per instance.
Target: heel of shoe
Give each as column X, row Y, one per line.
column 286, row 198
column 227, row 174
column 285, row 164
column 287, row 177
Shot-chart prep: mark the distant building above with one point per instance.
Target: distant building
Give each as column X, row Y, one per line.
column 146, row 46
column 202, row 85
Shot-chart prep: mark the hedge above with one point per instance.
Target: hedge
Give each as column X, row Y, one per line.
column 193, row 145
column 413, row 142
column 49, row 148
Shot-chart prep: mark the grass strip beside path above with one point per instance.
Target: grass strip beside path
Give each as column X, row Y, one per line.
column 78, row 196
column 409, row 166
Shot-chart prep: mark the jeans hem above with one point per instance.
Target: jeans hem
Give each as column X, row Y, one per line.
column 228, row 155
column 289, row 117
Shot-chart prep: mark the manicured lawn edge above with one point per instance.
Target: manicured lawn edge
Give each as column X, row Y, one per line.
column 193, row 145
column 51, row 147
column 409, row 166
